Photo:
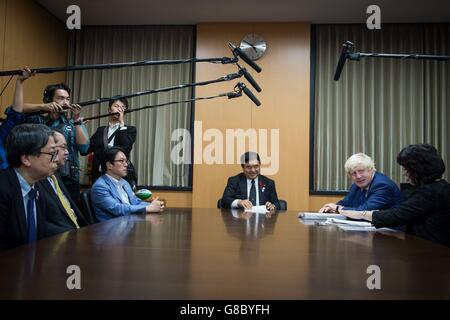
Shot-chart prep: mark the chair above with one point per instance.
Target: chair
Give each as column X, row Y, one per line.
column 283, row 204
column 87, row 207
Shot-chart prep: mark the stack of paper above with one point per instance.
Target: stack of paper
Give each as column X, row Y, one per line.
column 348, row 222
column 257, row 209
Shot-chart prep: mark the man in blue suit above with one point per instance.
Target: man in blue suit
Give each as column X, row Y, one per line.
column 371, row 190
column 112, row 195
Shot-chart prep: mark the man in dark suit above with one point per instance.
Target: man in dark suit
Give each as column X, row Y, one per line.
column 62, row 214
column 371, row 190
column 31, row 154
column 116, row 134
column 249, row 188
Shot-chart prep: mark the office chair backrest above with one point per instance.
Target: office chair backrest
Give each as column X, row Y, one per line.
column 87, row 206
column 283, row 204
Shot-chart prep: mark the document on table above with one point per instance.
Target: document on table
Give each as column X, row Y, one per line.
column 257, row 209
column 320, row 216
column 347, row 223
column 351, row 225
column 371, row 228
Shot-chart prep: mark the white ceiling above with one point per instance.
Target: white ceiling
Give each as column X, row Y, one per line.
column 172, row 12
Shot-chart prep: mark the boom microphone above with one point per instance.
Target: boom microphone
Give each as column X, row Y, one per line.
column 346, row 47
column 249, row 78
column 248, row 93
column 238, row 52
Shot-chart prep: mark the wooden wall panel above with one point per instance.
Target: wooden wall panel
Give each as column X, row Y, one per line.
column 175, row 199
column 31, row 36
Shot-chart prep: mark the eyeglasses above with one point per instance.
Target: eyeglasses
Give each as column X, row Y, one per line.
column 53, row 154
column 123, row 161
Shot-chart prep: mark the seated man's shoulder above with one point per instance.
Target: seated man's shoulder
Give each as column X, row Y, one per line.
column 266, row 179
column 100, row 183
column 6, row 174
column 382, row 179
column 236, row 177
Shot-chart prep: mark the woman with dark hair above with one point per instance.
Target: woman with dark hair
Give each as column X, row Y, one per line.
column 116, row 134
column 426, row 212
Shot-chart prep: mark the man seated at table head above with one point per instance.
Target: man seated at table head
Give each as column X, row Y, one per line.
column 249, row 188
column 62, row 214
column 112, row 195
column 371, row 190
column 31, row 154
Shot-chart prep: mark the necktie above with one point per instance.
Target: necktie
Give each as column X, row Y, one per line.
column 363, row 197
column 252, row 196
column 64, row 201
column 31, row 222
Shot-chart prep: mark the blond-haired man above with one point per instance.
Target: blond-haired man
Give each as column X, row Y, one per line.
column 371, row 190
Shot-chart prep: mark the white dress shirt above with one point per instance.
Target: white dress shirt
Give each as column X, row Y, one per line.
column 112, row 127
column 234, row 204
column 120, row 190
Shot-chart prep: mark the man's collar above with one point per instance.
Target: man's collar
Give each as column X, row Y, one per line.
column 113, row 125
column 250, row 180
column 114, row 180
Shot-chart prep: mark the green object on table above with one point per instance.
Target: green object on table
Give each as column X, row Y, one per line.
column 143, row 194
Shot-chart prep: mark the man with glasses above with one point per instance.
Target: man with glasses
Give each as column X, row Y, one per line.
column 62, row 213
column 249, row 188
column 112, row 195
column 32, row 154
column 371, row 190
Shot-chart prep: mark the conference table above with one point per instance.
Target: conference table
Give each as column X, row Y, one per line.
column 203, row 254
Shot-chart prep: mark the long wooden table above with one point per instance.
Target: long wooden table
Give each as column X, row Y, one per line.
column 217, row 254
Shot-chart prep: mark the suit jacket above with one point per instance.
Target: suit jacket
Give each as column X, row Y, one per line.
column 383, row 193
column 13, row 224
column 237, row 189
column 107, row 203
column 426, row 213
column 99, row 142
column 57, row 219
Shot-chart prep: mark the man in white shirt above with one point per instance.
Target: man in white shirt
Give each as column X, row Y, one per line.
column 115, row 134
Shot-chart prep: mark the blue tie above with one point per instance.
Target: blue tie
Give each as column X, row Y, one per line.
column 31, row 223
column 363, row 197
